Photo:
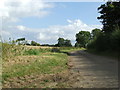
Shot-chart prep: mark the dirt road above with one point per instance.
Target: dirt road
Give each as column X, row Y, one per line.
column 94, row 71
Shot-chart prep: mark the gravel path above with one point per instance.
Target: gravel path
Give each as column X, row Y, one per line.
column 95, row 71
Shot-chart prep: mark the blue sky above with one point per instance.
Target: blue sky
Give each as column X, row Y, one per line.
column 45, row 22
column 85, row 11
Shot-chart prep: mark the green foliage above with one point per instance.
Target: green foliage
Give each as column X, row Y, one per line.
column 77, row 44
column 115, row 40
column 67, row 43
column 32, row 52
column 110, row 16
column 36, row 51
column 83, row 38
column 109, row 38
column 20, row 41
column 95, row 33
column 64, row 43
column 33, row 43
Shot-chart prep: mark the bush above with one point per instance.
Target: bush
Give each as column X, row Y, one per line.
column 115, row 40
column 106, row 42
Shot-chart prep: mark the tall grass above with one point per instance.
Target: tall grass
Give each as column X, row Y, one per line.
column 11, row 50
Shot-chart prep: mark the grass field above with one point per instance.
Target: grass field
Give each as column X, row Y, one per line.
column 33, row 65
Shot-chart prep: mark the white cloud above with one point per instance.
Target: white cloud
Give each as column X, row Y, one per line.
column 5, row 33
column 52, row 33
column 20, row 27
column 13, row 10
column 69, row 31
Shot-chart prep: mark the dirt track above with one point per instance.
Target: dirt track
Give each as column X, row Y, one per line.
column 95, row 71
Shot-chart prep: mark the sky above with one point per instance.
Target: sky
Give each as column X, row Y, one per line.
column 45, row 22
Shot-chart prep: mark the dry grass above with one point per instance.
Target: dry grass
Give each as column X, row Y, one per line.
column 39, row 47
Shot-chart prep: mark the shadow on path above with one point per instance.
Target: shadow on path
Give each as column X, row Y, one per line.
column 96, row 71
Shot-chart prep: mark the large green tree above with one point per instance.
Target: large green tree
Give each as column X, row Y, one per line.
column 110, row 16
column 83, row 38
column 64, row 42
column 61, row 42
column 67, row 43
column 109, row 38
column 33, row 43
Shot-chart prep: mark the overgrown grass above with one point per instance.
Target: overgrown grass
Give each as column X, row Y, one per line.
column 11, row 50
column 52, row 63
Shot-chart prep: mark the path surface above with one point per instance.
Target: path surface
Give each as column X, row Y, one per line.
column 95, row 71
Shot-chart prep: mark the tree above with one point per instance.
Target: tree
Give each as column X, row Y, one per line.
column 83, row 38
column 21, row 41
column 67, row 43
column 64, row 42
column 109, row 38
column 33, row 43
column 61, row 42
column 110, row 16
column 95, row 33
column 77, row 44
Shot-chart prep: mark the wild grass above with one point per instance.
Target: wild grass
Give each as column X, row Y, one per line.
column 11, row 50
column 41, row 61
column 52, row 63
column 36, row 51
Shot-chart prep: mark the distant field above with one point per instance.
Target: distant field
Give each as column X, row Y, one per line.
column 37, row 47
